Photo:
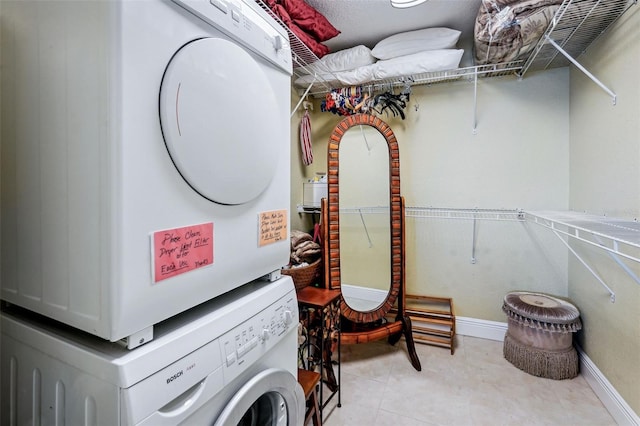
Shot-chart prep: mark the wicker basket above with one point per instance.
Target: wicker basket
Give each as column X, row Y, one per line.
column 304, row 276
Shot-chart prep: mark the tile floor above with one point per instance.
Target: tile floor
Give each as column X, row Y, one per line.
column 475, row 386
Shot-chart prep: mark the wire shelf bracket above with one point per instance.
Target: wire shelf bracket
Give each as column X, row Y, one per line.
column 618, row 237
column 304, row 95
column 583, row 69
column 612, row 295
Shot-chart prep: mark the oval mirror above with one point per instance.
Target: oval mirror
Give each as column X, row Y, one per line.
column 365, row 239
column 364, row 213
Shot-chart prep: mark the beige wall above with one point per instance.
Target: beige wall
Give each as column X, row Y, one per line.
column 518, row 158
column 605, row 179
column 511, row 162
column 322, row 125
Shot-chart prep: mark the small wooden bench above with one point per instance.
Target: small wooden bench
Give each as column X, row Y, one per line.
column 309, row 381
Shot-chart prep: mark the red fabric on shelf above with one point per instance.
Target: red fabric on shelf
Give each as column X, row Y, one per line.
column 315, row 46
column 308, row 38
column 310, row 20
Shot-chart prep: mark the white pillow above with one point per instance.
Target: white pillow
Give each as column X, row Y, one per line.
column 418, row 63
column 360, row 75
column 307, row 79
column 343, row 60
column 410, row 42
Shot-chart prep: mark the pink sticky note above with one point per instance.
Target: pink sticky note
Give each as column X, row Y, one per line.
column 180, row 250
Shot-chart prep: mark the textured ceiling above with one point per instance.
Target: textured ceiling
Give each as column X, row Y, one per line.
column 369, row 21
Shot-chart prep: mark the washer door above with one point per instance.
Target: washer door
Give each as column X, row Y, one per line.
column 218, row 118
column 272, row 397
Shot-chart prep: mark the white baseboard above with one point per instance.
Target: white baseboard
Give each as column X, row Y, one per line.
column 617, row 406
column 611, row 399
column 491, row 330
column 364, row 293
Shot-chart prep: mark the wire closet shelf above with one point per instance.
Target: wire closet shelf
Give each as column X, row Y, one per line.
column 576, row 25
column 464, row 214
column 618, row 236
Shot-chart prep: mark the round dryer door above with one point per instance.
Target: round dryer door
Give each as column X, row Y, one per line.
column 218, row 120
column 272, row 397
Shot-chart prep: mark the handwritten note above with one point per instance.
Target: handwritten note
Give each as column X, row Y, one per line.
column 180, row 250
column 273, row 227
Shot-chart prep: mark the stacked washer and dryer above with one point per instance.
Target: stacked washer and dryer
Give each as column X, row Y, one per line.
column 145, row 198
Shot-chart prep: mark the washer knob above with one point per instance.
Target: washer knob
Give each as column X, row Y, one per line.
column 264, row 335
column 288, row 317
column 277, row 42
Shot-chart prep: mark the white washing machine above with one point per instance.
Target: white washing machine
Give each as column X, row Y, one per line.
column 231, row 361
column 145, row 157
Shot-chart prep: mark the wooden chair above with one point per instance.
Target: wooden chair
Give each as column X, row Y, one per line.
column 309, row 381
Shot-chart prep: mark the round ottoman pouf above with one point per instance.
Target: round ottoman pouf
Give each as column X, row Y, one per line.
column 539, row 338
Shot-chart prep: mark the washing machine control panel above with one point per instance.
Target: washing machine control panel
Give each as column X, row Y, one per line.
column 248, row 342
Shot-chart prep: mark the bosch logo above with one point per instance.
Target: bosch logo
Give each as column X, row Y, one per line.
column 175, row 376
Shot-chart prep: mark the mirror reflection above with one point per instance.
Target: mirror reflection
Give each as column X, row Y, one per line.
column 365, row 234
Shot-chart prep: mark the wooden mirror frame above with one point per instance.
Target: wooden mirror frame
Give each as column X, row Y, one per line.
column 332, row 267
column 374, row 326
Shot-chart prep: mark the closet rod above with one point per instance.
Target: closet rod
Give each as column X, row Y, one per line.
column 583, row 69
column 465, row 214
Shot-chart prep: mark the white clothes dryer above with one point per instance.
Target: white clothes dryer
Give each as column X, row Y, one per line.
column 231, row 361
column 145, row 157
